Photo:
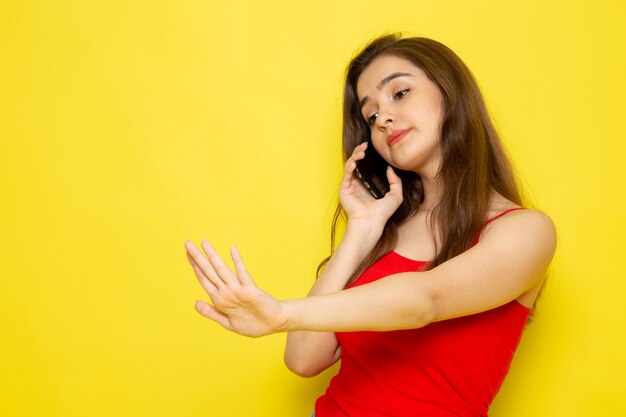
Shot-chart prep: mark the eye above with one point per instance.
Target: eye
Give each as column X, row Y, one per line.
column 372, row 118
column 400, row 94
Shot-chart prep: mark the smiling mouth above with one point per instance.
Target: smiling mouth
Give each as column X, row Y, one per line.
column 396, row 136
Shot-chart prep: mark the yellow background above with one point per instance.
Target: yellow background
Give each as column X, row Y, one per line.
column 128, row 127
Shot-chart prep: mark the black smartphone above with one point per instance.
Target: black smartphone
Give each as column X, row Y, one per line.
column 372, row 171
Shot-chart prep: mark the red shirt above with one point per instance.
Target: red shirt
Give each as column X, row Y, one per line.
column 448, row 368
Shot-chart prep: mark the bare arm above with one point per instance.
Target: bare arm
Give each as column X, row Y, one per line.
column 309, row 353
column 510, row 259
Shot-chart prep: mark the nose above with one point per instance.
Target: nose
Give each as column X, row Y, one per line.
column 385, row 117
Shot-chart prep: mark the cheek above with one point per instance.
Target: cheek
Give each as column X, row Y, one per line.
column 378, row 140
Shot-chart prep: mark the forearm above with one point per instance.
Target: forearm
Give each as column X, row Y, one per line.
column 309, row 352
column 358, row 240
column 394, row 303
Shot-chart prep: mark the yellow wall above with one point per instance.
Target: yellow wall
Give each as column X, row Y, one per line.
column 128, row 127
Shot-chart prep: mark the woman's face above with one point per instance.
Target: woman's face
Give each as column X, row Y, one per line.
column 403, row 108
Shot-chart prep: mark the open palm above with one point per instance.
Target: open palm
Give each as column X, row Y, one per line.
column 237, row 303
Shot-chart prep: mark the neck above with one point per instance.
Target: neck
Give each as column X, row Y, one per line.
column 433, row 190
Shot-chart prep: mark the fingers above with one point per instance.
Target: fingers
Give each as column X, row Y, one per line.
column 212, row 272
column 210, row 312
column 218, row 265
column 204, row 281
column 350, row 166
column 395, row 182
column 394, row 195
column 203, row 264
column 242, row 273
column 357, row 154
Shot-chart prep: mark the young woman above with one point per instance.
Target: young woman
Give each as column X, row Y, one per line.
column 426, row 297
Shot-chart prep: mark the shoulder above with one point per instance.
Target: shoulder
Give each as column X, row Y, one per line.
column 510, row 218
column 526, row 229
column 509, row 262
column 519, row 217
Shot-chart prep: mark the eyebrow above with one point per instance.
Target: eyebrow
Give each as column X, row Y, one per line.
column 383, row 82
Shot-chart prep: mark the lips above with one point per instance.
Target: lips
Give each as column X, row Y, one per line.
column 396, row 136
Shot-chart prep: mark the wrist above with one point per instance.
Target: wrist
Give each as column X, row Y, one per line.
column 289, row 322
column 365, row 232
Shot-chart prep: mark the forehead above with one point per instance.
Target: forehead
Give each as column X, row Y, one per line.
column 382, row 67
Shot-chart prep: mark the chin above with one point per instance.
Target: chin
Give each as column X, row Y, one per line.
column 404, row 164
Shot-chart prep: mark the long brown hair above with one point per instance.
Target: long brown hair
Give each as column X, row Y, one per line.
column 474, row 162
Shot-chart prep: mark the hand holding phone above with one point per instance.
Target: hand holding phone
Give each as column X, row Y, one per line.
column 379, row 180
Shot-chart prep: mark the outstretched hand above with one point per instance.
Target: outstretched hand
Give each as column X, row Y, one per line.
column 237, row 303
column 357, row 201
